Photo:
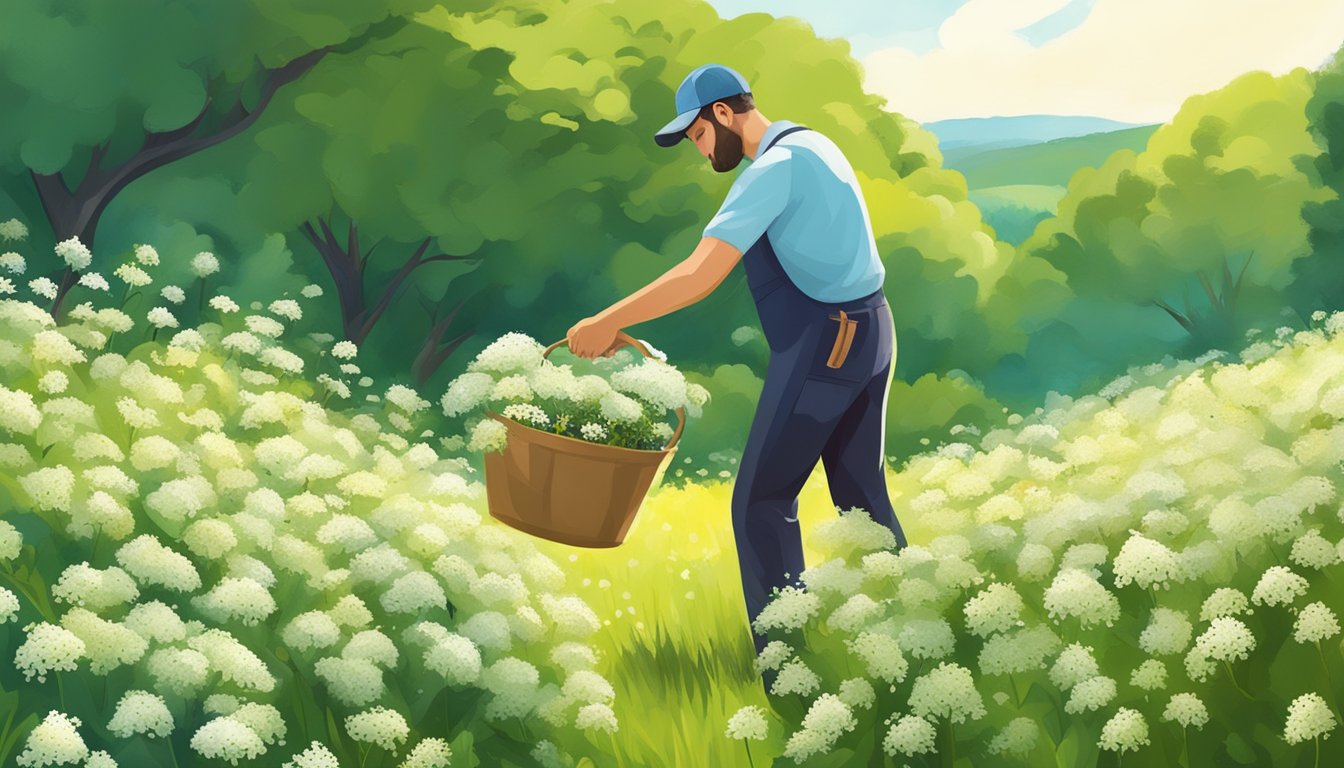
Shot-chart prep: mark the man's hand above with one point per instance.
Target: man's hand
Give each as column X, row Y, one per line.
column 593, row 336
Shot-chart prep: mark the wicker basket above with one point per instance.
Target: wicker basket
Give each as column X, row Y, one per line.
column 569, row 490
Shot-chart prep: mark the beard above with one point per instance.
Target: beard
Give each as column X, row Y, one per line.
column 727, row 149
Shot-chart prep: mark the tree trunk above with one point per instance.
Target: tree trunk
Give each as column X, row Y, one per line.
column 433, row 352
column 346, row 264
column 76, row 213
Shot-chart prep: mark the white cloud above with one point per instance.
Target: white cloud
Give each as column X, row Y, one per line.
column 1131, row 60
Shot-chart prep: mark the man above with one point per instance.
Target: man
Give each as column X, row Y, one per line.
column 797, row 220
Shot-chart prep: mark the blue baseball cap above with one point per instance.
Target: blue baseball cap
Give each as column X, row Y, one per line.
column 704, row 85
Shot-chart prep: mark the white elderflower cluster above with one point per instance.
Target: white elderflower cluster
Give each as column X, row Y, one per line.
column 910, row 735
column 1225, row 601
column 286, row 308
column 1168, row 632
column 512, row 352
column 1226, row 639
column 1311, row 550
column 234, row 661
column 596, row 716
column 997, row 608
column 1309, row 717
column 315, row 756
column 160, row 317
column 204, row 264
column 594, row 432
column 74, row 253
column 618, row 407
column 107, row 644
column 748, row 722
column 236, row 599
column 1187, row 710
column 1035, row 561
column 1278, row 586
column 54, row 741
column 311, row 630
column 141, row 712
column 281, row 359
column 132, row 276
column 173, row 294
column 147, row 255
column 1073, row 665
column 94, row 281
column 1314, row 623
column 44, row 287
column 406, row 399
column 1151, row 675
column 653, row 381
column 382, row 726
column 881, row 656
column 527, row 413
column 151, row 563
column 853, row 530
column 488, row 435
column 1145, row 562
column 13, row 229
column 429, row 753
column 947, row 691
column 826, row 720
column 1125, row 731
column 1024, row 650
column 1018, row 737
column 927, row 638
column 1076, row 593
column 48, row 648
column 854, row 613
column 790, row 609
column 354, row 682
column 224, row 738
column 795, row 677
column 98, row 589
column 1090, row 694
column 262, row 325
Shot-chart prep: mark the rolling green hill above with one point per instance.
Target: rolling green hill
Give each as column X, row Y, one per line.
column 1049, row 163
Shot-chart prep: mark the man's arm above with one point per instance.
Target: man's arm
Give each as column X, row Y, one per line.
column 688, row 282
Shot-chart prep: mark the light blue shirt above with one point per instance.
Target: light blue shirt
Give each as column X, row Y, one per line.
column 804, row 194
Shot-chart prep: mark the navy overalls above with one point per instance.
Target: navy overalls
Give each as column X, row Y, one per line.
column 808, row 411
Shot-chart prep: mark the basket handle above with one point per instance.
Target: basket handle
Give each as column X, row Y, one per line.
column 629, row 340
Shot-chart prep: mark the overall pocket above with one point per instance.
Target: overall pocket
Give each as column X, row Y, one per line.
column 858, row 362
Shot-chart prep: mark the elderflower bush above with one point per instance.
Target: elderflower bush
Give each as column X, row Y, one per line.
column 620, row 400
column 199, row 553
column 1116, row 573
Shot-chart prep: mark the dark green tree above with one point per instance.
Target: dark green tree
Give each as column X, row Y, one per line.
column 144, row 84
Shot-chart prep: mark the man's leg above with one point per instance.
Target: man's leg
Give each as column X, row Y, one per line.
column 785, row 442
column 854, row 460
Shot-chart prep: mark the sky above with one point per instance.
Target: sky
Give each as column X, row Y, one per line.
column 1128, row 60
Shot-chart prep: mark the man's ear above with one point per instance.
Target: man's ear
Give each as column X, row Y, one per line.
column 723, row 113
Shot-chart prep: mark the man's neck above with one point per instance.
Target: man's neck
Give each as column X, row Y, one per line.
column 753, row 130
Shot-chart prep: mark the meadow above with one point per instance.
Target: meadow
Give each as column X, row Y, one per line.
column 227, row 545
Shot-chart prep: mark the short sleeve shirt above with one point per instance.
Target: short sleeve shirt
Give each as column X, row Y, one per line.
column 804, row 195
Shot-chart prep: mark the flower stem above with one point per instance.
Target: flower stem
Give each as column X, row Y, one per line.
column 1329, row 689
column 747, row 743
column 1233, row 675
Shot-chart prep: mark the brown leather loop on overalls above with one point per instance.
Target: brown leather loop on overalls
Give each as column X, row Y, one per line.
column 844, row 336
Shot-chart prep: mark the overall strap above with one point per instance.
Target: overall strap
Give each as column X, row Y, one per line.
column 782, row 134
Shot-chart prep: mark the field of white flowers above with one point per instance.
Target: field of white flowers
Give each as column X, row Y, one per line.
column 201, row 563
